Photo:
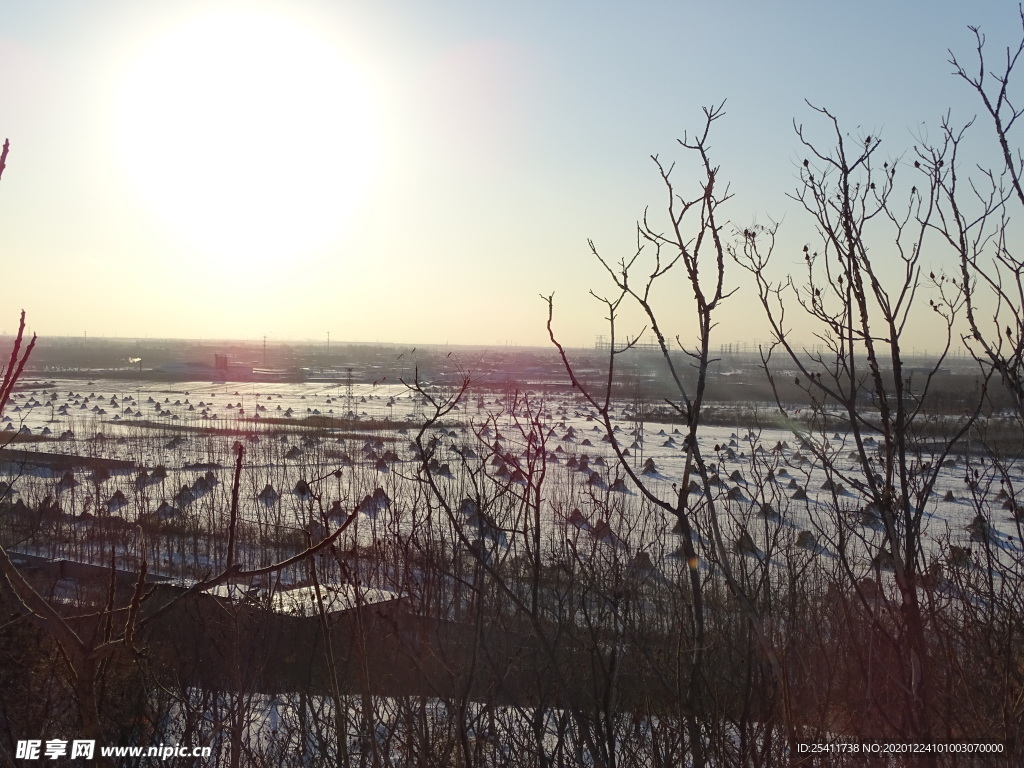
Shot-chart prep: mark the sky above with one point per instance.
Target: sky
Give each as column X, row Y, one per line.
column 414, row 172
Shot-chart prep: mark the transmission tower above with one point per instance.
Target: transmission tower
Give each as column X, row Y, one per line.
column 350, row 400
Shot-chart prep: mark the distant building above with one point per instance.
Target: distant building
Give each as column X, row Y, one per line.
column 222, row 369
column 201, row 370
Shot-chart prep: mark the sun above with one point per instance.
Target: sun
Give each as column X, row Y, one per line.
column 248, row 133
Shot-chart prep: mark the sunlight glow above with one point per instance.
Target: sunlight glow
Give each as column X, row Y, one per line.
column 248, row 133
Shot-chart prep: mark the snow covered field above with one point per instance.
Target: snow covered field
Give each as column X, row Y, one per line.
column 768, row 482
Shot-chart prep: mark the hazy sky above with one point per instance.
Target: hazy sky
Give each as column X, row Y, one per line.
column 417, row 171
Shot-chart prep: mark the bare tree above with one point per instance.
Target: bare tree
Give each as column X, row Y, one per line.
column 978, row 227
column 863, row 277
column 692, row 243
